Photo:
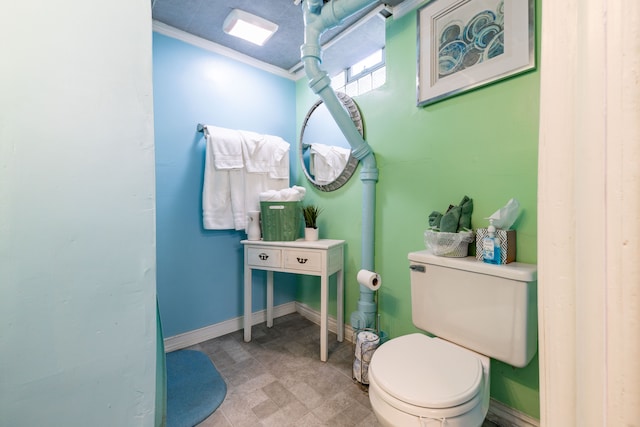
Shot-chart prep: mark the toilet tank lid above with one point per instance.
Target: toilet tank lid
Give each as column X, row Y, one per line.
column 513, row 271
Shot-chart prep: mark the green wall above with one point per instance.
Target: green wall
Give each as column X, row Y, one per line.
column 482, row 144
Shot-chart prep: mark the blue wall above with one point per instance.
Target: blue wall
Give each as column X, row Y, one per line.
column 200, row 272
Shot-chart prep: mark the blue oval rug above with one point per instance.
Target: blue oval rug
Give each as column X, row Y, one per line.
column 194, row 388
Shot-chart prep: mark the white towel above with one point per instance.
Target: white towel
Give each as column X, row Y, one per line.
column 254, row 185
column 229, row 193
column 218, row 186
column 226, row 146
column 256, row 156
column 293, row 194
column 327, row 162
column 269, row 196
column 265, row 154
column 321, row 149
column 279, row 165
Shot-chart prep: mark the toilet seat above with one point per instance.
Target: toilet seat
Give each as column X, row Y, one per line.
column 386, row 406
column 418, row 373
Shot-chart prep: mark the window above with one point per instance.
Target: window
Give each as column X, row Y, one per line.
column 363, row 76
column 369, row 63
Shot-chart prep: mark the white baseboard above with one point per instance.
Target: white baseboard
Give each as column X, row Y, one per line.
column 505, row 416
column 197, row 336
column 314, row 316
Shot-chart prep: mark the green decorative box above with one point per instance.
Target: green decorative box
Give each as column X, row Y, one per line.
column 280, row 221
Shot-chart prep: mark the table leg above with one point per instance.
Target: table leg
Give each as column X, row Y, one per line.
column 247, row 303
column 324, row 332
column 340, row 305
column 269, row 299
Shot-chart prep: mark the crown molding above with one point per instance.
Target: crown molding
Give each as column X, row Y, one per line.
column 169, row 31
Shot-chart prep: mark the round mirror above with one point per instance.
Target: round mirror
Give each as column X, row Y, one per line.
column 325, row 153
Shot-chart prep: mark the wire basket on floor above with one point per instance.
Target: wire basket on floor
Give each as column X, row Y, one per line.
column 366, row 341
column 454, row 245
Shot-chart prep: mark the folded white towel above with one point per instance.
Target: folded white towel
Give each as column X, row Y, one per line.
column 321, row 149
column 289, row 195
column 327, row 162
column 256, row 184
column 293, row 194
column 226, row 145
column 256, row 157
column 270, row 196
column 217, row 190
column 279, row 165
column 265, row 154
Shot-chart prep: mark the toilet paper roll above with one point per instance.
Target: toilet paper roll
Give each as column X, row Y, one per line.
column 366, row 343
column 361, row 371
column 369, row 279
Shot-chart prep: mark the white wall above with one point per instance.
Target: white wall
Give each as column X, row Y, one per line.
column 77, row 212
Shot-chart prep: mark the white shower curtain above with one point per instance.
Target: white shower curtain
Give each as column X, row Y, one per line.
column 589, row 213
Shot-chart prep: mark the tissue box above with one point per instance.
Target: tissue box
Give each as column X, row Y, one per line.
column 507, row 244
column 280, row 221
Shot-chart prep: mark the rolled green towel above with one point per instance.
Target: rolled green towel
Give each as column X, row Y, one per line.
column 450, row 220
column 434, row 219
column 465, row 216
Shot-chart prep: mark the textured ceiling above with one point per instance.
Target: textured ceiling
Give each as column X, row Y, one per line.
column 204, row 18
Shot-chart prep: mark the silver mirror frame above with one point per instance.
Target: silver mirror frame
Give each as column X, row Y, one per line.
column 352, row 163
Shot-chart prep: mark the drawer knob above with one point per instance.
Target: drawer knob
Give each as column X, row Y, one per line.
column 263, row 256
column 302, row 260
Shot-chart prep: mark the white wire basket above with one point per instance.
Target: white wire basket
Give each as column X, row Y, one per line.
column 366, row 342
column 453, row 245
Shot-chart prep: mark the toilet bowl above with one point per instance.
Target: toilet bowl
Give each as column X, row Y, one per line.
column 415, row 380
column 476, row 311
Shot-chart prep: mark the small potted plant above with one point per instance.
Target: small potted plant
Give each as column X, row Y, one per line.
column 310, row 214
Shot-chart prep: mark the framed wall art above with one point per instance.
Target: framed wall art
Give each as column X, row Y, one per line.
column 465, row 44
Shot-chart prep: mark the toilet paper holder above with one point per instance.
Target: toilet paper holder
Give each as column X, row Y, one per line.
column 365, row 342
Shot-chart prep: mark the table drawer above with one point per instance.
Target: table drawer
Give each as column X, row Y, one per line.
column 303, row 260
column 263, row 257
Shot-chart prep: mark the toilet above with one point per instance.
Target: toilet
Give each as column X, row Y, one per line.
column 473, row 312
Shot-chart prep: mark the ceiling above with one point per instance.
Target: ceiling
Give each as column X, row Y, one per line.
column 359, row 36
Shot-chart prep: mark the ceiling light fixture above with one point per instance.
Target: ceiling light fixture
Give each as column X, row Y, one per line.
column 249, row 27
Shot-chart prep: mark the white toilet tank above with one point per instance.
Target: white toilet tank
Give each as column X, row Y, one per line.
column 490, row 309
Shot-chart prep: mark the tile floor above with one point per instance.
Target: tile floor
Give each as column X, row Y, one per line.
column 277, row 379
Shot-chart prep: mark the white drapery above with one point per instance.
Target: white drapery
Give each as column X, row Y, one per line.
column 589, row 213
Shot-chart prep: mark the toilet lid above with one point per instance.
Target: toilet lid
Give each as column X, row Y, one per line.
column 426, row 372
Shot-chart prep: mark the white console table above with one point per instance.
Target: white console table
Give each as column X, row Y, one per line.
column 319, row 258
